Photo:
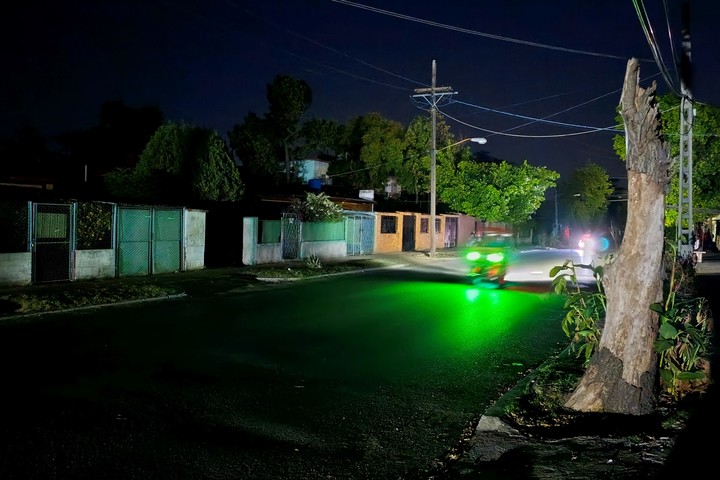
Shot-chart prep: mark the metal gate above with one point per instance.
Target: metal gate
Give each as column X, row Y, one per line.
column 290, row 235
column 360, row 233
column 451, row 232
column 52, row 235
column 408, row 233
column 149, row 240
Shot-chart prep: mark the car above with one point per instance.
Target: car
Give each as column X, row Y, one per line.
column 488, row 258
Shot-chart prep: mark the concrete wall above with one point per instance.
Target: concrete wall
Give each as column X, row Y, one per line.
column 254, row 253
column 267, row 253
column 16, row 268
column 325, row 249
column 90, row 264
column 194, row 239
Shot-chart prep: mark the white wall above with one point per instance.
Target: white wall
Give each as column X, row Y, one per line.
column 194, row 240
column 16, row 268
column 90, row 264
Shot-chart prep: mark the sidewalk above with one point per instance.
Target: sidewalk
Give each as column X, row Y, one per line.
column 496, row 451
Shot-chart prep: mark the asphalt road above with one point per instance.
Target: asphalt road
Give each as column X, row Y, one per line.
column 371, row 375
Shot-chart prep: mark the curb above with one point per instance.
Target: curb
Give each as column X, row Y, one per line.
column 88, row 307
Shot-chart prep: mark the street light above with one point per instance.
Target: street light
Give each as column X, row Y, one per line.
column 433, row 189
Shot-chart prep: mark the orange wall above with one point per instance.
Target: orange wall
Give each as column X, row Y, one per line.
column 388, row 242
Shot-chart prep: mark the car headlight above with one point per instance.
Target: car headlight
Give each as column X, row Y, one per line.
column 472, row 256
column 495, row 257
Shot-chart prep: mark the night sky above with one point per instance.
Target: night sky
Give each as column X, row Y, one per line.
column 511, row 62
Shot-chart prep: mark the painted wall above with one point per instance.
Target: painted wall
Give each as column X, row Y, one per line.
column 388, row 242
column 16, row 268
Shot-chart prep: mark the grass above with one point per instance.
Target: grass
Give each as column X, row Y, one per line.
column 62, row 296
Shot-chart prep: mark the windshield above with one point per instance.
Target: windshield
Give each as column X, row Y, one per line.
column 497, row 241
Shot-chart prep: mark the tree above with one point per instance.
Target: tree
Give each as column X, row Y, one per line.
column 622, row 372
column 320, row 136
column 370, row 151
column 415, row 175
column 705, row 153
column 494, row 192
column 259, row 156
column 382, row 150
column 261, row 142
column 28, row 153
column 181, row 161
column 288, row 99
column 115, row 142
column 587, row 194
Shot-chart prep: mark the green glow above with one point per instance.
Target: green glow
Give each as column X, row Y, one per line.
column 457, row 319
column 495, row 257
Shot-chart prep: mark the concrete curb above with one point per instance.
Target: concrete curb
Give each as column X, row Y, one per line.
column 88, row 307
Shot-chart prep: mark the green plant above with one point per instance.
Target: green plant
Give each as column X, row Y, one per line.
column 313, row 262
column 684, row 336
column 317, row 208
column 585, row 308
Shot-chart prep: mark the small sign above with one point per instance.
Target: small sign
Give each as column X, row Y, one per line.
column 367, row 194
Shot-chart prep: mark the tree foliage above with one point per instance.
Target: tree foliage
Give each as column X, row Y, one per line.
column 494, row 192
column 372, row 149
column 586, row 195
column 181, row 159
column 705, row 154
column 415, row 173
column 261, row 143
column 259, row 156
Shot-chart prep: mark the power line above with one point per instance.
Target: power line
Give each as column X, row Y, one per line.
column 475, row 32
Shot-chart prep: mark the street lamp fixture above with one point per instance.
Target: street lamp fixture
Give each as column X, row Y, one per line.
column 479, row 140
column 433, row 186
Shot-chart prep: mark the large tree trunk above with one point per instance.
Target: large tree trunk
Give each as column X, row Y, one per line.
column 621, row 375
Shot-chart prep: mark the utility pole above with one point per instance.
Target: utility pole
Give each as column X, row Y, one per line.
column 434, row 92
column 685, row 224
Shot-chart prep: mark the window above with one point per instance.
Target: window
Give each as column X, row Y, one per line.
column 388, row 224
column 424, row 222
column 437, row 225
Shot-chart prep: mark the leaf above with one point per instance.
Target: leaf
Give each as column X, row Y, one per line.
column 667, row 331
column 691, row 376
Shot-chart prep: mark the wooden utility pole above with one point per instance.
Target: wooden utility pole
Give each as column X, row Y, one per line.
column 434, row 93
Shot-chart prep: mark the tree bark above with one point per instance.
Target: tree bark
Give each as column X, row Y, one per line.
column 621, row 375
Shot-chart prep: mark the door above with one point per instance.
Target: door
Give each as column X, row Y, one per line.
column 360, row 234
column 408, row 233
column 290, row 236
column 52, row 242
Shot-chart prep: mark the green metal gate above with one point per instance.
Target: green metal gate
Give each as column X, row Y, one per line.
column 360, row 233
column 290, row 236
column 149, row 240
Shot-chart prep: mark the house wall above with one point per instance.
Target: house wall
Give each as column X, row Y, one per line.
column 466, row 226
column 194, row 239
column 91, row 264
column 388, row 242
column 16, row 268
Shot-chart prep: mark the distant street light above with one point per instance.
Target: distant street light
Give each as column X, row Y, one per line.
column 433, row 187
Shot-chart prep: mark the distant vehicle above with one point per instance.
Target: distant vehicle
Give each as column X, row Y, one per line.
column 488, row 258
